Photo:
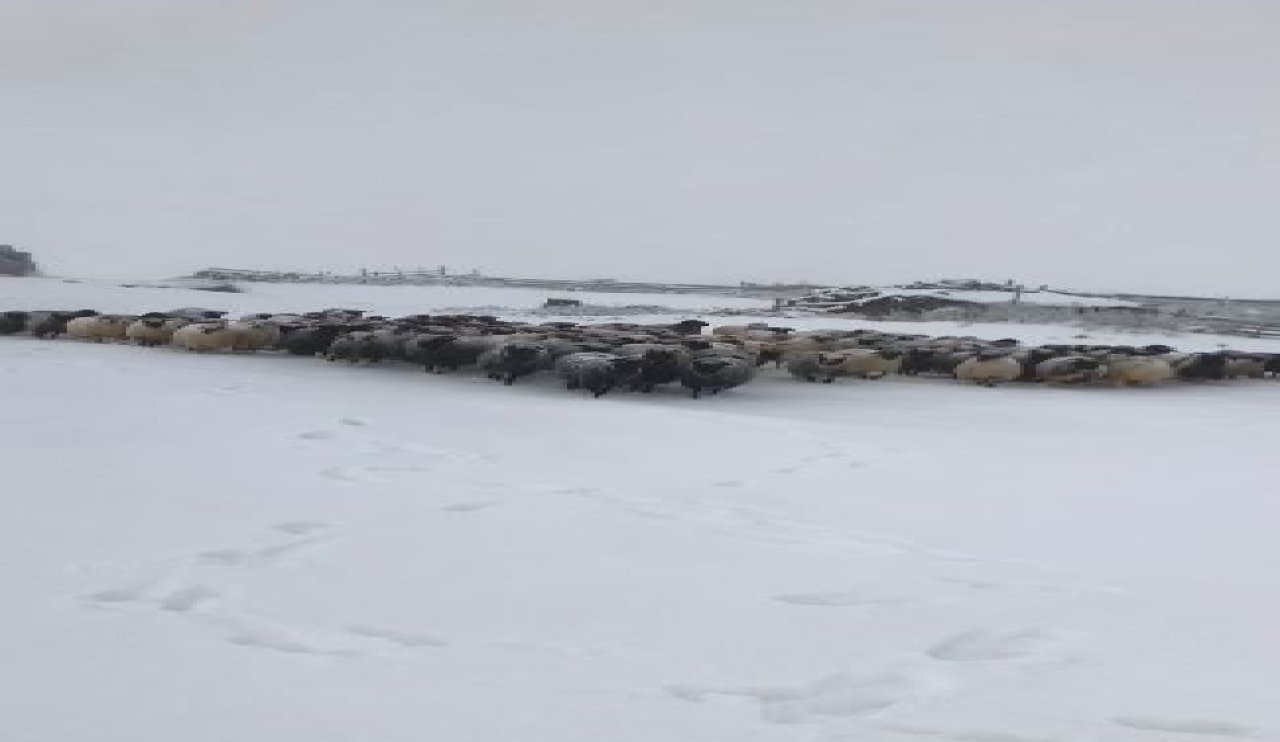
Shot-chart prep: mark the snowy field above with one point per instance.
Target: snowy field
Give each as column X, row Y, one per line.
column 1042, row 298
column 390, row 300
column 275, row 549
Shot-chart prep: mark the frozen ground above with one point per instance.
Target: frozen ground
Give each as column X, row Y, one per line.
column 213, row 548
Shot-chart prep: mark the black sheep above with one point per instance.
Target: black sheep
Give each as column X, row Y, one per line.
column 597, row 372
column 510, row 361
column 714, row 373
column 12, row 323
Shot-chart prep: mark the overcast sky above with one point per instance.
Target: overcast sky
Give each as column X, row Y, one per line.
column 1132, row 144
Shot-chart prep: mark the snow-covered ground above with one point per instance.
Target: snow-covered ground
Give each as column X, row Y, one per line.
column 213, row 548
column 1041, row 298
column 33, row 293
column 1046, row 297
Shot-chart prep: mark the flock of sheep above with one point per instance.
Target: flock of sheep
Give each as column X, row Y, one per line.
column 601, row 358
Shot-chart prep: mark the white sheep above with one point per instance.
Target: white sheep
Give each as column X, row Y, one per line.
column 867, row 363
column 150, row 331
column 1138, row 370
column 1071, row 370
column 1252, row 368
column 824, row 367
column 753, row 331
column 253, row 334
column 204, row 336
column 99, row 328
column 804, row 344
column 988, row 369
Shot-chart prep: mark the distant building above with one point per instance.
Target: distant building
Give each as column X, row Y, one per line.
column 14, row 262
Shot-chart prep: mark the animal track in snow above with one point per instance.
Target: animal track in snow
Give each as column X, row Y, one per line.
column 317, row 435
column 970, row 734
column 730, row 483
column 117, row 595
column 186, row 599
column 977, row 736
column 397, row 468
column 966, row 735
column 989, row 646
column 300, row 527
column 469, row 507
column 556, row 489
column 401, row 638
column 255, row 557
column 352, row 421
column 1187, row 726
column 841, row 694
column 834, row 458
column 757, row 523
column 260, row 634
column 415, row 449
column 224, row 390
column 846, row 598
column 1031, row 586
column 341, row 474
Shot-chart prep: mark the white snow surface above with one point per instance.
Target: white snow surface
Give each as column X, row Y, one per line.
column 27, row 293
column 1042, row 298
column 205, row 548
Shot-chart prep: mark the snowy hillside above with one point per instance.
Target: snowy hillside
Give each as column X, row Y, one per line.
column 213, row 548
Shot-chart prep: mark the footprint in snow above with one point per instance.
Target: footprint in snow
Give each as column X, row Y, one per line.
column 402, row 638
column 342, row 474
column 317, row 435
column 117, row 595
column 469, row 507
column 1208, row 727
column 354, row 422
column 188, row 598
column 965, row 735
column 993, row 737
column 178, row 601
column 559, row 489
column 254, row 557
column 847, row 598
column 730, row 483
column 990, row 646
column 1030, row 586
column 258, row 634
column 839, row 695
column 370, row 474
column 300, row 527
